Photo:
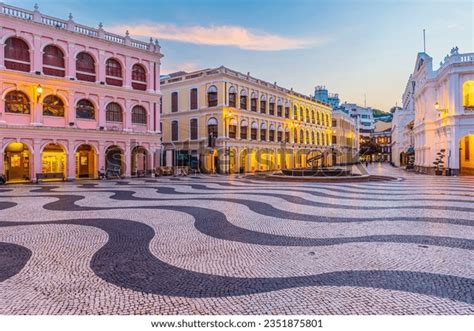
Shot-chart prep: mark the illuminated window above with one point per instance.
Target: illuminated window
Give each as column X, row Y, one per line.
column 53, row 106
column 17, row 102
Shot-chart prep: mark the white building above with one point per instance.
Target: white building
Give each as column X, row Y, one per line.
column 364, row 115
column 402, row 127
column 444, row 112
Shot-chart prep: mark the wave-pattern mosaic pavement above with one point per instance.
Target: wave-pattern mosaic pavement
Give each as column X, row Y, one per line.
column 230, row 245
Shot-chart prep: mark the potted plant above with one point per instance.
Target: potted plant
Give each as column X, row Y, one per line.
column 439, row 162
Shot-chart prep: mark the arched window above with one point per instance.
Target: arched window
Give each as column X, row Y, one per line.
column 233, row 128
column 271, row 106
column 301, row 114
column 287, row 110
column 253, row 131
column 17, row 102
column 279, row 108
column 113, row 72
column 263, row 131
column 53, row 106
column 243, row 129
column 113, row 112
column 280, row 134
column 53, row 61
column 308, row 118
column 232, row 96
column 212, row 96
column 85, row 67
column 85, row 109
column 271, row 133
column 139, row 115
column 212, row 130
column 17, row 55
column 138, row 77
column 295, row 112
column 263, row 104
column 313, row 116
column 174, row 131
column 253, row 102
column 287, row 134
column 313, row 141
column 243, row 99
column 302, row 140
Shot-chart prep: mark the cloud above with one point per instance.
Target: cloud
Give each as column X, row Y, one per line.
column 224, row 35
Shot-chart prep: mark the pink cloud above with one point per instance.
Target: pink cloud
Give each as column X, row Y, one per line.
column 225, row 35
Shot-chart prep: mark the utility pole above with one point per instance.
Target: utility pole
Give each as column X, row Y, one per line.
column 424, row 41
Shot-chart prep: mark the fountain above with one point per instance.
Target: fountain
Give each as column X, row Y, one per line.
column 318, row 171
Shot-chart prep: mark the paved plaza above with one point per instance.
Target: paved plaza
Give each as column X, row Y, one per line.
column 234, row 245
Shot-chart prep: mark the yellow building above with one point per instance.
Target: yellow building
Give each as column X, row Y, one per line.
column 220, row 120
column 345, row 138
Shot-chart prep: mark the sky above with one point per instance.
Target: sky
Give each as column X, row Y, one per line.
column 355, row 48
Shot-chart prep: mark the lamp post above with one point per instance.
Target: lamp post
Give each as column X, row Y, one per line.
column 439, row 109
column 39, row 92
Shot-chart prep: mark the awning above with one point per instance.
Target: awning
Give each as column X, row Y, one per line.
column 410, row 150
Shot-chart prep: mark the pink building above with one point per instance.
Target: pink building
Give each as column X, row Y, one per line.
column 75, row 100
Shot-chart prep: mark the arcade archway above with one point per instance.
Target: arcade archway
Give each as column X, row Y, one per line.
column 85, row 162
column 17, row 163
column 466, row 156
column 53, row 160
column 114, row 161
column 139, row 161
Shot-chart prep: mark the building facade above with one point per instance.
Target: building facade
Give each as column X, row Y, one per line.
column 321, row 94
column 75, row 100
column 345, row 138
column 402, row 128
column 220, row 120
column 444, row 113
column 382, row 139
column 364, row 115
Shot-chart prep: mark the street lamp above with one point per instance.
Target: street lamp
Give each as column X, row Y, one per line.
column 39, row 92
column 438, row 109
